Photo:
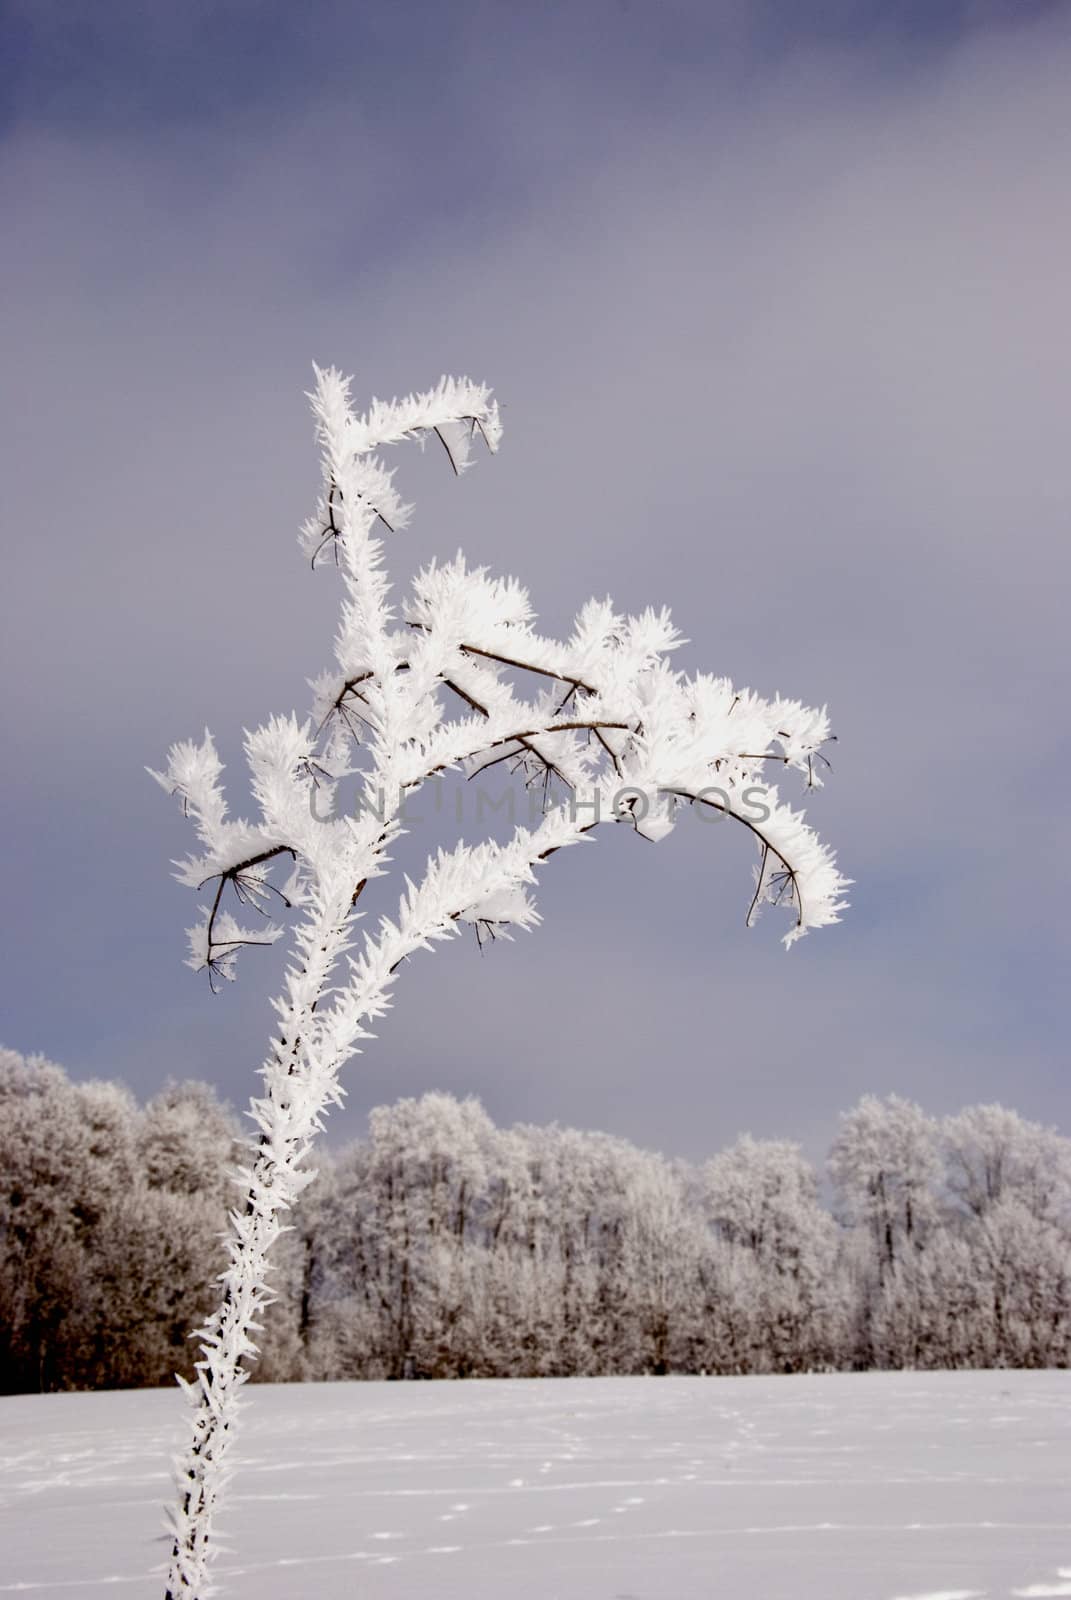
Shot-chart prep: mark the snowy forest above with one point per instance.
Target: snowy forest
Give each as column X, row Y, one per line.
column 442, row 1246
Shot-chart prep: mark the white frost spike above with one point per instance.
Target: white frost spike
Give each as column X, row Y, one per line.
column 463, row 680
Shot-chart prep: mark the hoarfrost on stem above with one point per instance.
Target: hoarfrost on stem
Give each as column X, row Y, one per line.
column 607, row 727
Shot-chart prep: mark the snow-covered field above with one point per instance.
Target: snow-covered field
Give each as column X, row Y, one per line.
column 806, row 1488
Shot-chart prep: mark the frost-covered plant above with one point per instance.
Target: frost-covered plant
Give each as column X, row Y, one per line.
column 606, row 726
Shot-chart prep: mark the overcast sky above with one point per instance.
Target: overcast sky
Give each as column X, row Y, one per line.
column 775, row 297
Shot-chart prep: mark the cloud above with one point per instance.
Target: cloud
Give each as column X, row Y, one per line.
column 786, row 349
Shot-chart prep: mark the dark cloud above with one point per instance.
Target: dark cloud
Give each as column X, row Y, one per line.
column 147, row 65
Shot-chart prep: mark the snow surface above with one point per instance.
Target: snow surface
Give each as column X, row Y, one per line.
column 882, row 1486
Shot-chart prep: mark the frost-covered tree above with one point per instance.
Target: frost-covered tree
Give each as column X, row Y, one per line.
column 1009, row 1181
column 47, row 1203
column 992, row 1153
column 885, row 1166
column 660, row 1247
column 415, row 1190
column 1022, row 1265
column 188, row 1141
column 762, row 1201
column 108, row 1249
column 604, row 723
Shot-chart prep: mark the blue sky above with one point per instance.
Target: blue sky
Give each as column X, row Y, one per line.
column 775, row 300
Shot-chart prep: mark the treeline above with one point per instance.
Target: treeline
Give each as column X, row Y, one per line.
column 110, row 1218
column 442, row 1246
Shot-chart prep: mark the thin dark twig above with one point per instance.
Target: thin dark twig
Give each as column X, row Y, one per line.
column 727, row 811
column 559, row 727
column 251, row 890
column 609, row 751
column 505, row 756
column 525, row 735
column 449, row 452
column 569, row 693
column 332, row 531
column 511, row 661
column 469, row 700
column 476, row 423
column 233, row 875
column 758, row 887
column 521, row 739
column 328, row 534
